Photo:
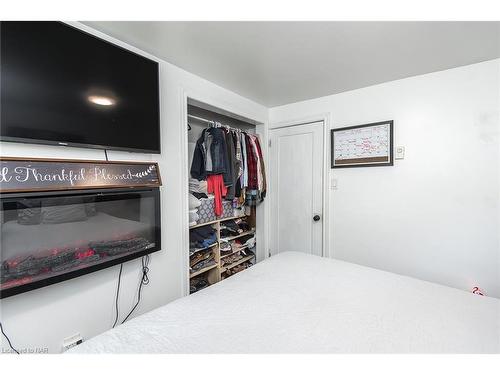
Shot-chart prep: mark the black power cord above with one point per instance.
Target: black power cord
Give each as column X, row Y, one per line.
column 117, row 294
column 144, row 281
column 8, row 340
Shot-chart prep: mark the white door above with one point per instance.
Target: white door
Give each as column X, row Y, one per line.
column 296, row 189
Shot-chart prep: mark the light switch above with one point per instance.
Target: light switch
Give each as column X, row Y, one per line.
column 400, row 152
column 333, row 183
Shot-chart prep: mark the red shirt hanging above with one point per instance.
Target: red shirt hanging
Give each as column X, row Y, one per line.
column 215, row 186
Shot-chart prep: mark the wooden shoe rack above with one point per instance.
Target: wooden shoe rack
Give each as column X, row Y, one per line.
column 218, row 271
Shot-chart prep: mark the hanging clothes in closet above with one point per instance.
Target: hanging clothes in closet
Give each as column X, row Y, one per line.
column 230, row 164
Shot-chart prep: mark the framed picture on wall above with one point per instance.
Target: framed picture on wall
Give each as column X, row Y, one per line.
column 368, row 145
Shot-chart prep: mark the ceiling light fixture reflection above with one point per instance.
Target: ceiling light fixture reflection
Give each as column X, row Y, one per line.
column 101, row 100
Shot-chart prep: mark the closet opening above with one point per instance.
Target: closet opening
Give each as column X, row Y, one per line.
column 227, row 186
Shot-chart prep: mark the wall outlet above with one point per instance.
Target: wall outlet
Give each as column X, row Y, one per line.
column 72, row 341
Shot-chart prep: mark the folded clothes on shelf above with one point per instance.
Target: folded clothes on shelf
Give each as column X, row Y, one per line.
column 231, row 259
column 236, row 269
column 225, row 247
column 201, row 233
column 246, row 252
column 196, row 186
column 234, row 227
column 200, row 257
column 193, row 216
column 242, row 248
column 200, row 196
column 194, row 247
column 247, row 240
column 242, row 224
column 203, row 264
column 197, row 283
column 250, row 243
column 227, row 233
column 194, row 202
column 230, row 228
column 201, row 237
column 239, row 211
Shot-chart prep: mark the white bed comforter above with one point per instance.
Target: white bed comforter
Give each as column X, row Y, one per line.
column 298, row 303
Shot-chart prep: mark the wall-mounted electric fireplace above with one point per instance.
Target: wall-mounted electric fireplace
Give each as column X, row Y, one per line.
column 48, row 237
column 51, row 237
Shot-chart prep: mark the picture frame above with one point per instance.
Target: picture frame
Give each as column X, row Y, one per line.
column 367, row 145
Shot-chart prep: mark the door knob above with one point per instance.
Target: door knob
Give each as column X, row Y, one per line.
column 316, row 217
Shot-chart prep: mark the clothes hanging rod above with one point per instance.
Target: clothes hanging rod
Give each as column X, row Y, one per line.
column 201, row 119
column 214, row 123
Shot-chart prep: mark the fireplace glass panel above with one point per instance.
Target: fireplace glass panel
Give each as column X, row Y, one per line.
column 48, row 238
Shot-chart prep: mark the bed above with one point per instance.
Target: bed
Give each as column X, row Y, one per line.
column 299, row 303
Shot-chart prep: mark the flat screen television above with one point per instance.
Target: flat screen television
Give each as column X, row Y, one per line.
column 63, row 86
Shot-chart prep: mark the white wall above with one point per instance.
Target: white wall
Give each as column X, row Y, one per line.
column 434, row 215
column 43, row 317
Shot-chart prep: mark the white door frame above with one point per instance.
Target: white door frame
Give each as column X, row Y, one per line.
column 262, row 210
column 325, row 119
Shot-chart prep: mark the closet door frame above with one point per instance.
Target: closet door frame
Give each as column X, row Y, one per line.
column 327, row 250
column 261, row 128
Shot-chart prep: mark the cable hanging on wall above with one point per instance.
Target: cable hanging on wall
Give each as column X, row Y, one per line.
column 144, row 281
column 8, row 339
column 117, row 295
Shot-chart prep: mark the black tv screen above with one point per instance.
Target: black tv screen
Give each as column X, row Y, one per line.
column 63, row 86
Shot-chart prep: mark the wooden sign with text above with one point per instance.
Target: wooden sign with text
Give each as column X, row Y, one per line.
column 20, row 174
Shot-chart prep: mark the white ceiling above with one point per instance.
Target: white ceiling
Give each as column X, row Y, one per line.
column 275, row 63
